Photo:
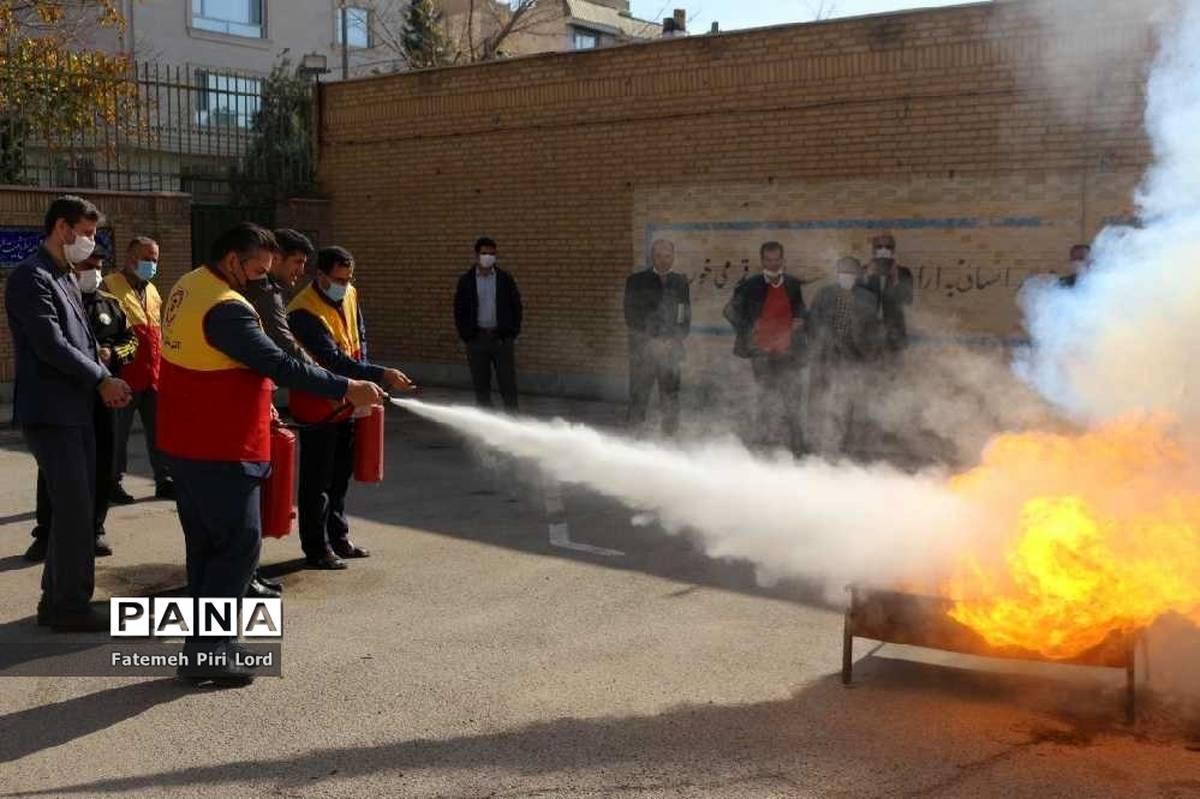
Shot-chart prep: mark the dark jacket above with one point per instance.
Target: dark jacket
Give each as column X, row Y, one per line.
column 508, row 306
column 268, row 298
column 655, row 308
column 890, row 304
column 865, row 336
column 745, row 307
column 58, row 362
column 111, row 328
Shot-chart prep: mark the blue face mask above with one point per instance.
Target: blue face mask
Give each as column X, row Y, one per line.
column 146, row 270
column 336, row 291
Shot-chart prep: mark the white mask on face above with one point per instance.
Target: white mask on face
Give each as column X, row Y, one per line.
column 847, row 280
column 89, row 281
column 884, row 252
column 79, row 250
column 772, row 276
column 487, row 261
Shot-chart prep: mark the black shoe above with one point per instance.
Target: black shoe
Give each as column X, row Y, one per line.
column 326, row 562
column 103, row 550
column 165, row 489
column 257, row 590
column 37, row 550
column 345, row 548
column 222, row 675
column 119, row 496
column 269, row 582
column 83, row 621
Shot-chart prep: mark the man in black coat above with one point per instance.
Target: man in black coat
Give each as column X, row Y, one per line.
column 487, row 314
column 768, row 317
column 658, row 313
column 892, row 286
column 59, row 380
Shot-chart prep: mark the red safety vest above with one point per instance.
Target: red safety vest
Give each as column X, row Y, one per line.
column 210, row 407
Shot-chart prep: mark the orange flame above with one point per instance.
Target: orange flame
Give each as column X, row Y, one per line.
column 1101, row 535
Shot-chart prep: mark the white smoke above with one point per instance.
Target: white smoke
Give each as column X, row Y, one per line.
column 839, row 523
column 1125, row 337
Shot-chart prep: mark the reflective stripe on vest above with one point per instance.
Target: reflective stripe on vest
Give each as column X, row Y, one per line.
column 342, row 326
column 210, row 407
column 142, row 372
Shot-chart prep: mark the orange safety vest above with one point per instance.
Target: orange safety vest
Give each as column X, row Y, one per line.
column 342, row 325
column 210, row 407
column 142, row 372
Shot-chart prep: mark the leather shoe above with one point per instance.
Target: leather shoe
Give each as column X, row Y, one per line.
column 119, row 496
column 103, row 550
column 165, row 490
column 226, row 674
column 37, row 550
column 346, row 549
column 269, row 582
column 82, row 621
column 257, row 590
column 326, row 562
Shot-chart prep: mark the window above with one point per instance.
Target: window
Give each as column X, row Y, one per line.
column 358, row 28
column 583, row 39
column 235, row 17
column 227, row 100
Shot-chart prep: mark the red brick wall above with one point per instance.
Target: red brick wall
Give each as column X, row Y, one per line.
column 567, row 158
column 164, row 217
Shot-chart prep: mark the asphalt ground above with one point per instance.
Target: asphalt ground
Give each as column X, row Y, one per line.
column 512, row 637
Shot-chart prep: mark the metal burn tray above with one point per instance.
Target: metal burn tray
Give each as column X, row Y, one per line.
column 895, row 617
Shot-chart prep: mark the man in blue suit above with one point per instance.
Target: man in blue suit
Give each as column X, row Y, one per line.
column 59, row 379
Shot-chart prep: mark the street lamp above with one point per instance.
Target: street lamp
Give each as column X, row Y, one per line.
column 314, row 65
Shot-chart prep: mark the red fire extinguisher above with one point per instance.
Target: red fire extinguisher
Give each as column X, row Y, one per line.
column 368, row 444
column 279, row 487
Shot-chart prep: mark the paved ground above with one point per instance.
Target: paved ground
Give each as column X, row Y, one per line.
column 470, row 657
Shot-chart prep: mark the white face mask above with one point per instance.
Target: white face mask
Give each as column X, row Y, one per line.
column 487, row 261
column 847, row 280
column 884, row 252
column 89, row 281
column 79, row 250
column 772, row 276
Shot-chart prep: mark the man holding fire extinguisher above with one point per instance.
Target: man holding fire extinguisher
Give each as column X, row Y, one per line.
column 325, row 318
column 214, row 425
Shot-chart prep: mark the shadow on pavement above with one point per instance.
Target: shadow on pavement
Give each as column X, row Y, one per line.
column 44, row 727
column 930, row 721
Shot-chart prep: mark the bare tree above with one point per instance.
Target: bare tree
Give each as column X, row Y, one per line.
column 821, row 9
column 477, row 30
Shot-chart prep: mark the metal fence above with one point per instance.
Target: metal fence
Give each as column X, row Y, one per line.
column 210, row 132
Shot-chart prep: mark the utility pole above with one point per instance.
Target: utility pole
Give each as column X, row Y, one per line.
column 345, row 12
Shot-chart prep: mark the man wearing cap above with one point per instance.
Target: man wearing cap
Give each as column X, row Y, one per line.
column 892, row 287
column 143, row 308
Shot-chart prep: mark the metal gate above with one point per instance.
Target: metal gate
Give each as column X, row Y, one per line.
column 209, row 220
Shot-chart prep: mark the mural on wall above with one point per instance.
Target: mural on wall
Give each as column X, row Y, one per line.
column 967, row 267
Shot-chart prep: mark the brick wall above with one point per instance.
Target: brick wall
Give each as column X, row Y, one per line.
column 937, row 124
column 164, row 217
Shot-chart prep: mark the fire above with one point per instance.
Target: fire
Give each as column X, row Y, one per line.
column 1100, row 534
